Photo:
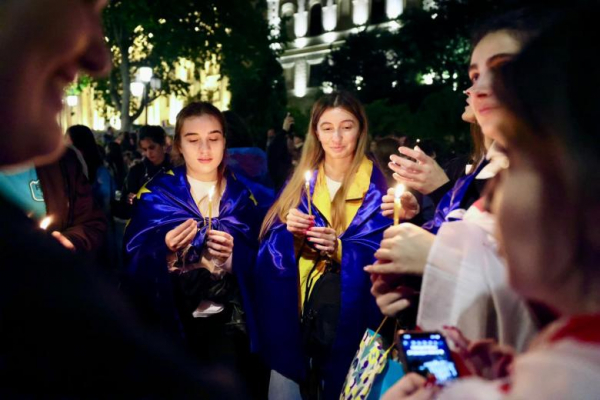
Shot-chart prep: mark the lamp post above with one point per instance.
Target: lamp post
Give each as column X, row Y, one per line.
column 145, row 81
column 145, row 75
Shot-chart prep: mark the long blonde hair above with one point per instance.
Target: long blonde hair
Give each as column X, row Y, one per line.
column 312, row 158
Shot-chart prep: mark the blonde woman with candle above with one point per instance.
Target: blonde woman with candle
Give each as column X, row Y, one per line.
column 191, row 245
column 312, row 292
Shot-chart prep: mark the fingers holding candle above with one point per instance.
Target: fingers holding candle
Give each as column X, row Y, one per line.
column 220, row 244
column 181, row 236
column 397, row 205
column 409, row 206
column 298, row 223
column 323, row 238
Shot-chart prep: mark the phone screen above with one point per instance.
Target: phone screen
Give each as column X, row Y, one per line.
column 427, row 352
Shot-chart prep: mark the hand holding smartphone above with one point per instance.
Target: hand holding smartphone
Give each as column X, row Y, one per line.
column 427, row 353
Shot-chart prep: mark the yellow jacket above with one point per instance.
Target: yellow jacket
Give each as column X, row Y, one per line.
column 321, row 200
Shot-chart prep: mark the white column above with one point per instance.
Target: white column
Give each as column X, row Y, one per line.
column 360, row 14
column 393, row 8
column 301, row 20
column 300, row 78
column 329, row 16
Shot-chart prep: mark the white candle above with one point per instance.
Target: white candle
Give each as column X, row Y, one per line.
column 307, row 177
column 211, row 193
column 397, row 205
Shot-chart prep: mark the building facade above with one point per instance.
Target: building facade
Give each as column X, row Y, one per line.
column 83, row 108
column 315, row 27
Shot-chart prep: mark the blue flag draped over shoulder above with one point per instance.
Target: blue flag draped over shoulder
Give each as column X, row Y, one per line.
column 166, row 202
column 452, row 200
column 277, row 292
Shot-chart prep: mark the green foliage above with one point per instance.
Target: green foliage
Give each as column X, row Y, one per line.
column 159, row 33
column 255, row 76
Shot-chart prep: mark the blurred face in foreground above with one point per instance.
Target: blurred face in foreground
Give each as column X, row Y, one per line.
column 537, row 223
column 43, row 45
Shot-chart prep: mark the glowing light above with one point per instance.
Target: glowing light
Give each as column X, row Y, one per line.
column 72, row 100
column 360, row 15
column 300, row 78
column 145, row 74
column 327, row 87
column 137, row 89
column 329, row 16
column 427, row 79
column 300, row 22
column 394, row 8
column 330, row 37
column 301, row 42
column 397, row 205
column 45, row 223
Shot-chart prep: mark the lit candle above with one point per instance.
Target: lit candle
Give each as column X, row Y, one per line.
column 307, row 176
column 211, row 193
column 45, row 223
column 397, row 205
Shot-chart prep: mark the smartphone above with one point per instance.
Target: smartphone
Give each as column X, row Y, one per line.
column 427, row 353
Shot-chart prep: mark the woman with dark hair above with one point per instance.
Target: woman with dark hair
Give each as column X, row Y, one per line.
column 191, row 244
column 312, row 252
column 549, row 98
column 82, row 138
column 153, row 146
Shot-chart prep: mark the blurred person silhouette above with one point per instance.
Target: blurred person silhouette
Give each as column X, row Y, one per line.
column 279, row 159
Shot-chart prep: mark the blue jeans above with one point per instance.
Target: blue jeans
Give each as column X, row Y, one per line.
column 282, row 388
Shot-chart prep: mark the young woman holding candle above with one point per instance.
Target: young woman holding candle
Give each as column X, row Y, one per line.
column 305, row 260
column 191, row 244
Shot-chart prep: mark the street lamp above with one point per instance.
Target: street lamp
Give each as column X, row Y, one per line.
column 137, row 88
column 144, row 82
column 145, row 74
column 72, row 100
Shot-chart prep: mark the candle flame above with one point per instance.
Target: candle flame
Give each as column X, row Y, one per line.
column 211, row 193
column 308, row 176
column 45, row 223
column 399, row 191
